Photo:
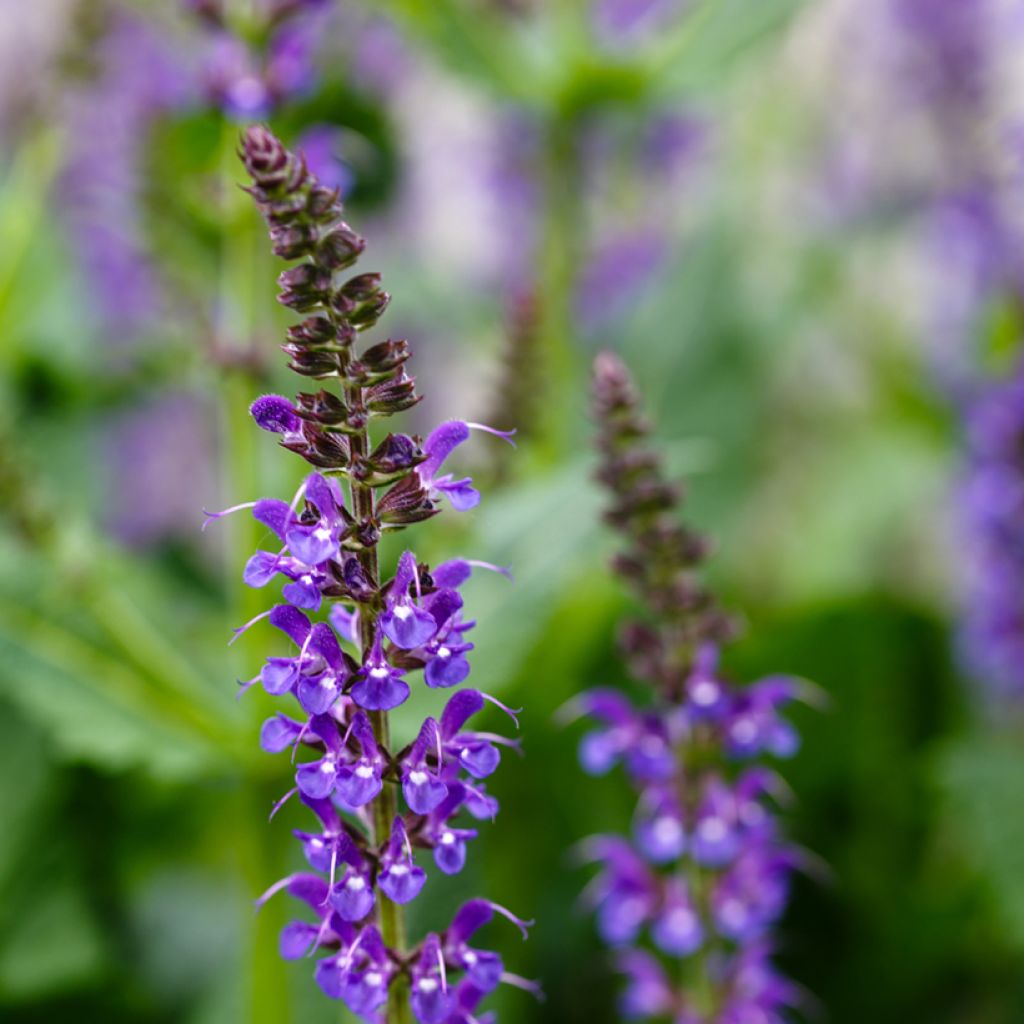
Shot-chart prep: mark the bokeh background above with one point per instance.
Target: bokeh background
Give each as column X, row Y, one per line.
column 800, row 225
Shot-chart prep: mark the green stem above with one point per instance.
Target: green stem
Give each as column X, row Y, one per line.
column 385, row 808
column 267, row 976
column 561, row 244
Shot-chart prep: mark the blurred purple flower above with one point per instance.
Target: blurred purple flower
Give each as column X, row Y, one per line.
column 625, row 22
column 148, row 451
column 143, row 74
column 992, row 511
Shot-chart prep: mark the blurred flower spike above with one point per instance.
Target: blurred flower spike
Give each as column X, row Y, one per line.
column 705, row 874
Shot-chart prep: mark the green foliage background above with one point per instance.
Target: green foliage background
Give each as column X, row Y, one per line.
column 133, row 798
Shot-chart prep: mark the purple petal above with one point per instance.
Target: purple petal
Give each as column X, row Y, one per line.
column 261, row 568
column 479, row 759
column 316, row 779
column 380, row 690
column 297, row 939
column 291, row 622
column 402, row 882
column 450, row 853
column 352, row 897
column 272, row 513
column 451, row 574
column 276, row 414
column 358, row 784
column 317, row 694
column 279, row 733
column 445, row 669
column 278, row 675
column 408, row 626
column 440, row 444
column 459, row 709
column 469, row 919
column 422, row 791
column 312, row 544
column 303, row 593
column 461, row 493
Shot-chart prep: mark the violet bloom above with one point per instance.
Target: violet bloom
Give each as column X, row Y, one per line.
column 992, row 515
column 248, row 80
column 704, row 877
column 357, row 637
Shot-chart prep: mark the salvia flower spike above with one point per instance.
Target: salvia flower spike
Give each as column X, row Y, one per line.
column 359, row 638
column 688, row 900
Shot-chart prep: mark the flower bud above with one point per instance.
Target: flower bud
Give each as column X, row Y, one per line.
column 392, row 396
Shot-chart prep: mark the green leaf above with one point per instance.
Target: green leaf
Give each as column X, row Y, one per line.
column 982, row 779
column 56, row 945
column 91, row 705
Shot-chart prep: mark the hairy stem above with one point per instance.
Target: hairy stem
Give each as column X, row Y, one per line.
column 385, row 807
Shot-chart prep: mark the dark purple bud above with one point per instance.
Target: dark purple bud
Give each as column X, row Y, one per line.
column 362, row 288
column 313, row 332
column 407, row 502
column 364, row 316
column 392, row 396
column 385, row 356
column 269, row 164
column 292, row 242
column 340, row 248
column 323, row 407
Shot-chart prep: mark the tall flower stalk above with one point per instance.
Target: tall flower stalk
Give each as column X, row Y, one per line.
column 359, row 633
column 705, row 874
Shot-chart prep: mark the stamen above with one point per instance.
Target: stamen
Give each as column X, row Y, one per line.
column 334, row 865
column 505, row 435
column 324, row 928
column 502, row 570
column 210, row 516
column 280, row 803
column 440, row 967
column 298, row 740
column 275, row 888
column 245, row 686
column 517, row 921
column 525, row 984
column 239, row 630
column 504, row 707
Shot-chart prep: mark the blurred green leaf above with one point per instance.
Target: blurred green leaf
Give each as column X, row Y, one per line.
column 93, row 706
column 982, row 778
column 56, row 944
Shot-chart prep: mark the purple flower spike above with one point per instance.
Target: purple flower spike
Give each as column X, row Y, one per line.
column 699, row 815
column 359, row 633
